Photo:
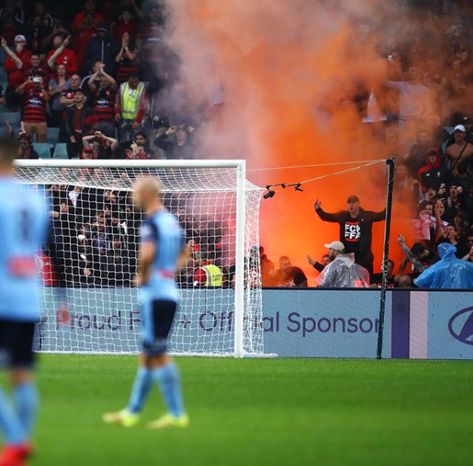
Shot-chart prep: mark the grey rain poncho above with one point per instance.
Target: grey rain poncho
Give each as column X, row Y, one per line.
column 343, row 272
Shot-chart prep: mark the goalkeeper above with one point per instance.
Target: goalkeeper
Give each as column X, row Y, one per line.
column 162, row 252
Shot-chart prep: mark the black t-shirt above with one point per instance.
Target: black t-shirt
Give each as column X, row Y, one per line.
column 293, row 277
column 85, row 86
column 435, row 177
column 105, row 151
column 355, row 233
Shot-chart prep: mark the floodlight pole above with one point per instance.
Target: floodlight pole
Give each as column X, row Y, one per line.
column 387, row 231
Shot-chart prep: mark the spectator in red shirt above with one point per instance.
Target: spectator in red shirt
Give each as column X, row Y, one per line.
column 35, row 101
column 434, row 173
column 109, row 9
column 139, row 148
column 47, row 270
column 125, row 23
column 104, row 147
column 83, row 36
column 15, row 65
column 62, row 55
column 80, row 22
column 127, row 59
column 25, row 147
column 67, row 97
column 88, row 153
column 102, row 90
column 133, row 151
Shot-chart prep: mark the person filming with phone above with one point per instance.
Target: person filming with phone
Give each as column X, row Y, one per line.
column 36, row 97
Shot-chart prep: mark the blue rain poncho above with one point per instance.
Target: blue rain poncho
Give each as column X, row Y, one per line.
column 449, row 272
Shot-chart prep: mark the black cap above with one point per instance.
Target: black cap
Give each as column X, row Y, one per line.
column 352, row 199
column 102, row 27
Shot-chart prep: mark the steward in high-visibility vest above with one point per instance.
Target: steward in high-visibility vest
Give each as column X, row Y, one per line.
column 129, row 104
column 214, row 276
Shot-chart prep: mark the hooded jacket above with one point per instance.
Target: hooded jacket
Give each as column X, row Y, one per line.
column 448, row 273
column 103, row 49
column 432, row 175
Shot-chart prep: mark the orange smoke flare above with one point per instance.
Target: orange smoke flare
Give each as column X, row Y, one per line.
column 289, row 72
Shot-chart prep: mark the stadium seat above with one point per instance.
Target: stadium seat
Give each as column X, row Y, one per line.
column 53, row 135
column 4, row 132
column 43, row 149
column 60, row 151
column 13, row 118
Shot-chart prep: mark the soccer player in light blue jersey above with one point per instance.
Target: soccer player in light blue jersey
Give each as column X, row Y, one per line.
column 23, row 230
column 162, row 253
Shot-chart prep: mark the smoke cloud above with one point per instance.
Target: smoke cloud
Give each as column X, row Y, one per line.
column 286, row 84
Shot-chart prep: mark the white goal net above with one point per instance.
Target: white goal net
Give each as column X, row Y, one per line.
column 94, row 240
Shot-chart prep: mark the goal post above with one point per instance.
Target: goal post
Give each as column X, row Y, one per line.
column 95, row 230
column 239, row 257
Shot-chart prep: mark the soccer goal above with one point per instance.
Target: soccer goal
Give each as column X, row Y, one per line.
column 95, row 241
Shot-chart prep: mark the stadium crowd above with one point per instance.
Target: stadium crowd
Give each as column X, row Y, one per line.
column 81, row 80
column 95, row 240
column 83, row 83
column 422, row 115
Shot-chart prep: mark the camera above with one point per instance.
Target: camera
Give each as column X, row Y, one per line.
column 37, row 79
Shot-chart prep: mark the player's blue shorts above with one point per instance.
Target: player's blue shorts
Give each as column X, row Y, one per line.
column 16, row 344
column 158, row 317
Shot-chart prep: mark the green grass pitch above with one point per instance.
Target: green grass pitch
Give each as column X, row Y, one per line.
column 262, row 412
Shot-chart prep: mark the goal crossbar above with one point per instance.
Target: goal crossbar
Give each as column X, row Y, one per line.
column 76, row 163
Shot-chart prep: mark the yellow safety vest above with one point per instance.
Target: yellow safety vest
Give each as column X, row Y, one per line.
column 214, row 276
column 131, row 100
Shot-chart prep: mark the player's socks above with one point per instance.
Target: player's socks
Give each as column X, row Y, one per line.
column 140, row 391
column 10, row 424
column 26, row 405
column 170, row 384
